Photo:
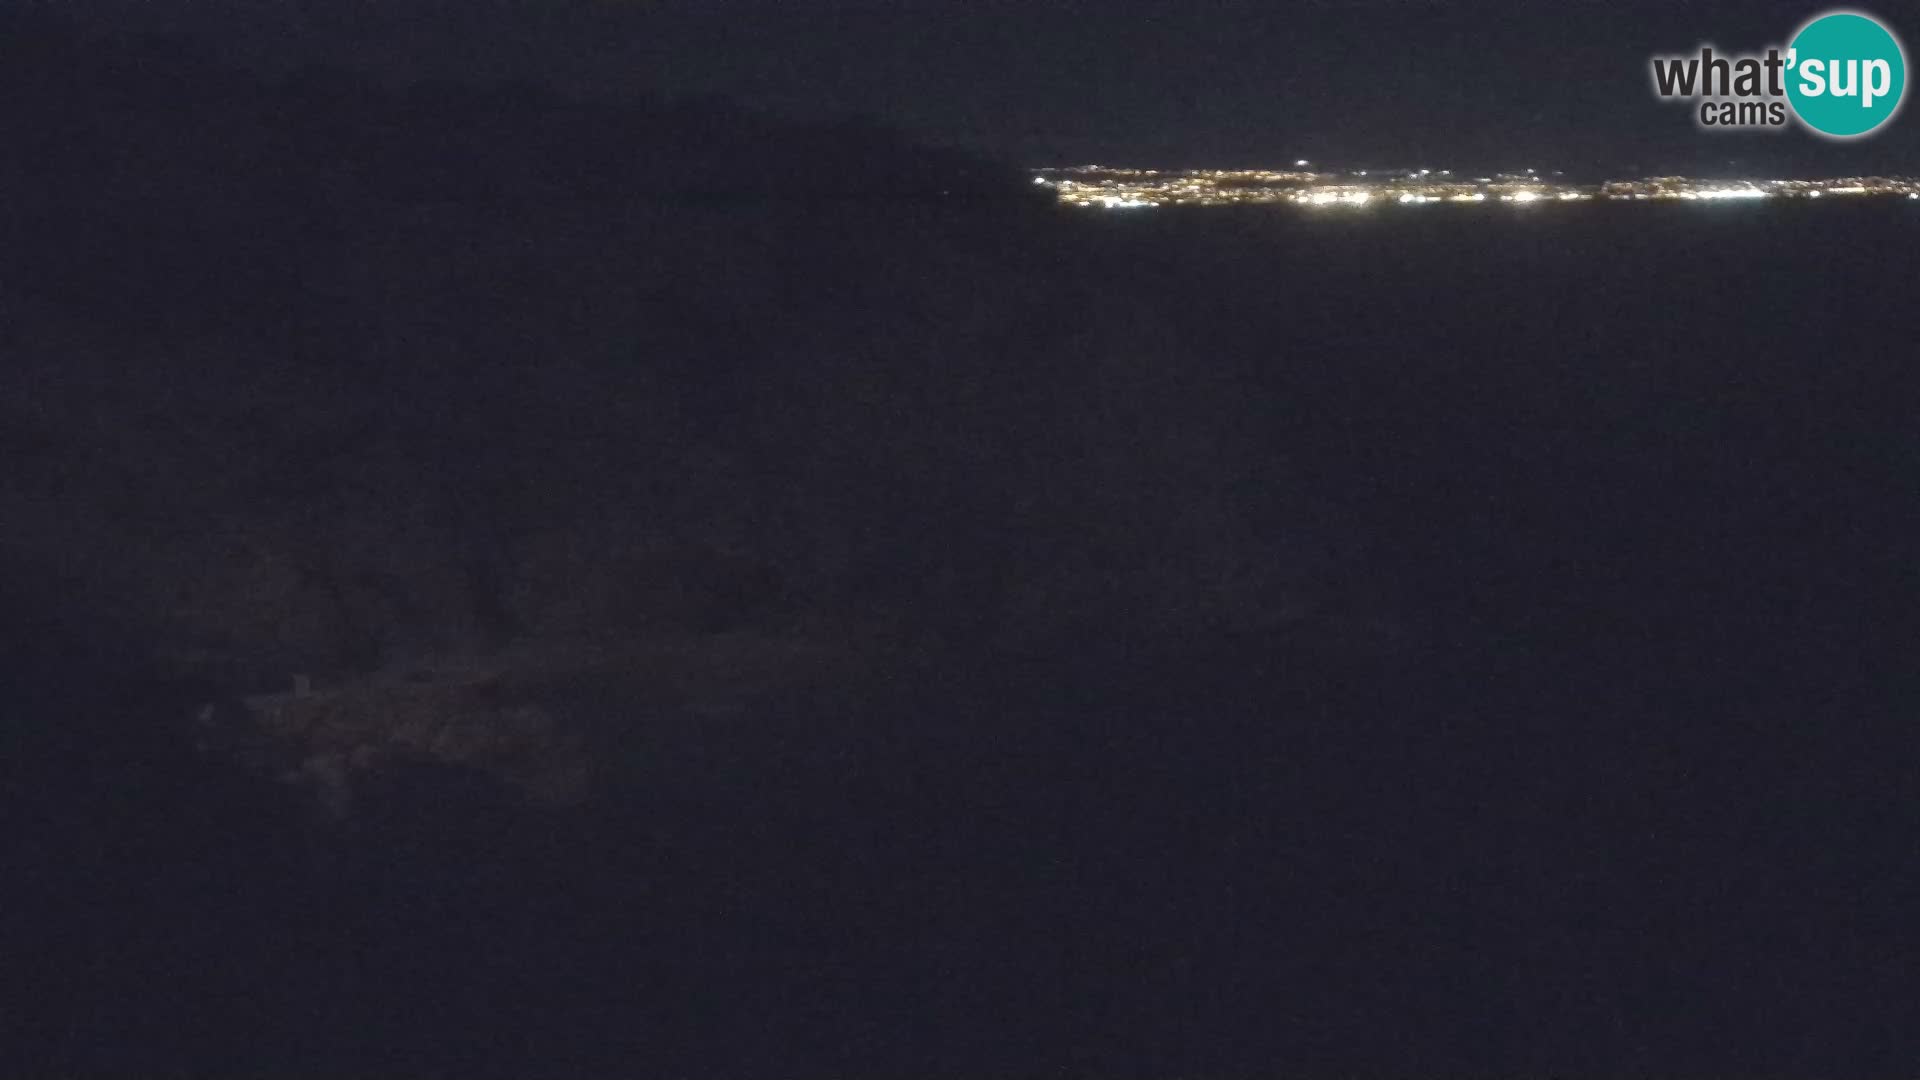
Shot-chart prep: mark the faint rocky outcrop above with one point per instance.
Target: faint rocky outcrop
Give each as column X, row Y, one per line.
column 327, row 742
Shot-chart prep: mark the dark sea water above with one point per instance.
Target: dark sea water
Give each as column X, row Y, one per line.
column 1638, row 797
column 1646, row 480
column 1648, row 475
column 1633, row 792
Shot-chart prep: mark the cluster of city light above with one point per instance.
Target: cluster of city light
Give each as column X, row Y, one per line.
column 1729, row 193
column 1331, row 198
column 1111, row 188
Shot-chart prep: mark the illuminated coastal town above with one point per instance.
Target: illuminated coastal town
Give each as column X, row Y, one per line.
column 1120, row 188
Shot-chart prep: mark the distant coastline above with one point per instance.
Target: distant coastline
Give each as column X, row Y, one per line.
column 1125, row 189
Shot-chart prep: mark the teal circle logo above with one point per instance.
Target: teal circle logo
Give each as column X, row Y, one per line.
column 1847, row 74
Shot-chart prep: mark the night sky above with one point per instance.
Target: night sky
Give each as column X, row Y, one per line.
column 1474, row 84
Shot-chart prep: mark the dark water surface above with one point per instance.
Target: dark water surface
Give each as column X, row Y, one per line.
column 1633, row 791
